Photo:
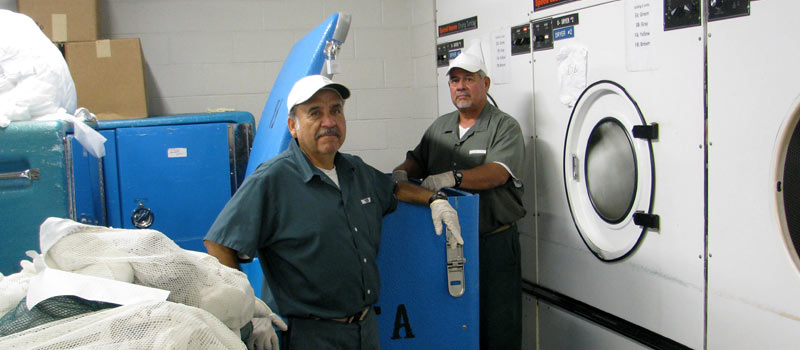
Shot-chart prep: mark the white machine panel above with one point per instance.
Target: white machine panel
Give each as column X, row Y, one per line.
column 753, row 111
column 555, row 323
column 613, row 61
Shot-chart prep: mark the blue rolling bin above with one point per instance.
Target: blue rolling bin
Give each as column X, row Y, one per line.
column 417, row 310
column 172, row 174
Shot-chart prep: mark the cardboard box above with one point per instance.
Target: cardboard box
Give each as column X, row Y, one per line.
column 109, row 77
column 63, row 20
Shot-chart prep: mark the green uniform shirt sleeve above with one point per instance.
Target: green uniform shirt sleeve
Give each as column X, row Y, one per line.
column 508, row 146
column 238, row 229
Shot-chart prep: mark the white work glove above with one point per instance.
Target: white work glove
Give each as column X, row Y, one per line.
column 399, row 175
column 264, row 336
column 439, row 181
column 35, row 265
column 442, row 211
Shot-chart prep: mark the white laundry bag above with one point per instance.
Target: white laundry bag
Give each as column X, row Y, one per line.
column 207, row 307
column 34, row 77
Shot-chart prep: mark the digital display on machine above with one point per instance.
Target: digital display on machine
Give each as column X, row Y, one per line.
column 565, row 21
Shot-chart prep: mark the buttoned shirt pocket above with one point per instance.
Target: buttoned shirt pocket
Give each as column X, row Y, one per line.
column 370, row 208
column 471, row 153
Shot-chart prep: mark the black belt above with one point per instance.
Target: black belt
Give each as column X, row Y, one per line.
column 358, row 317
column 503, row 228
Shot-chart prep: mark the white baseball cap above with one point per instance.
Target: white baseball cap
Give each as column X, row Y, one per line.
column 470, row 60
column 306, row 87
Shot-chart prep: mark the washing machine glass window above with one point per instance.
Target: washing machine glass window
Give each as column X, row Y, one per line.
column 608, row 173
column 790, row 187
column 610, row 170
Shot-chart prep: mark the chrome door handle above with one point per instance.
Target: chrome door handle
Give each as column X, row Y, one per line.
column 30, row 174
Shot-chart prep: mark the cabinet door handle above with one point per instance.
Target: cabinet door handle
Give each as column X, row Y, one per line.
column 30, row 174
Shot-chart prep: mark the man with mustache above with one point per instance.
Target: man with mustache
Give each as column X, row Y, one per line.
column 480, row 149
column 313, row 217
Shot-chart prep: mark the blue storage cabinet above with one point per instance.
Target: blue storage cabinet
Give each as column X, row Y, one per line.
column 87, row 172
column 178, row 171
column 172, row 174
column 35, row 183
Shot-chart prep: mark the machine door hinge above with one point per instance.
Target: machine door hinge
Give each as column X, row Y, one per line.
column 649, row 132
column 646, row 220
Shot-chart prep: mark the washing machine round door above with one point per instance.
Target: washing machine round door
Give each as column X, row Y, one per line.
column 608, row 173
column 788, row 182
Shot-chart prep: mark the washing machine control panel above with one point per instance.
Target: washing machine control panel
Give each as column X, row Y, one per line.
column 542, row 34
column 721, row 9
column 447, row 51
column 681, row 14
column 520, row 39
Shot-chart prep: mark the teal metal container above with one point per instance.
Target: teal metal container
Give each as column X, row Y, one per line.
column 35, row 183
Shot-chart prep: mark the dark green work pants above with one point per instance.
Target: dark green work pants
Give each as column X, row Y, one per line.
column 311, row 334
column 501, row 290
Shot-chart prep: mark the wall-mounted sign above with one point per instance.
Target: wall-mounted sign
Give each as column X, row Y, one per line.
column 458, row 26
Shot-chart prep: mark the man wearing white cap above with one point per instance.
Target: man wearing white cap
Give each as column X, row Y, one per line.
column 480, row 149
column 313, row 217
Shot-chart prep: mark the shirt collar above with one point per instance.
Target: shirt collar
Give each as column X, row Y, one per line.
column 307, row 169
column 482, row 124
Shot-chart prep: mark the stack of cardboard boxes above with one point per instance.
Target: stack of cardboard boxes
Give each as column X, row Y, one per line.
column 108, row 74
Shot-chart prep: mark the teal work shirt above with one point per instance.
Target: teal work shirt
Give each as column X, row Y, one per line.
column 495, row 137
column 317, row 244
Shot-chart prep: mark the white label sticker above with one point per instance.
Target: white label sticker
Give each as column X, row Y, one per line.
column 179, row 152
column 477, row 151
column 501, row 52
column 642, row 23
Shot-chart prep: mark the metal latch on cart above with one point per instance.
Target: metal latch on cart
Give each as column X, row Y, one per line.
column 331, row 50
column 455, row 269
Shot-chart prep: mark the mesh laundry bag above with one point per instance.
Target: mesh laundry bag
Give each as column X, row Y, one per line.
column 52, row 309
column 208, row 303
column 149, row 258
column 150, row 325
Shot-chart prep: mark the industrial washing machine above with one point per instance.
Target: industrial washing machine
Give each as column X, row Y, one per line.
column 619, row 115
column 753, row 164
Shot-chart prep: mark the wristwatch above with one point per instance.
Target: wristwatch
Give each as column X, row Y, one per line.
column 458, row 176
column 437, row 195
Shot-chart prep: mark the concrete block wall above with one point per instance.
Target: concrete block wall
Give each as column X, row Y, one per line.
column 207, row 54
